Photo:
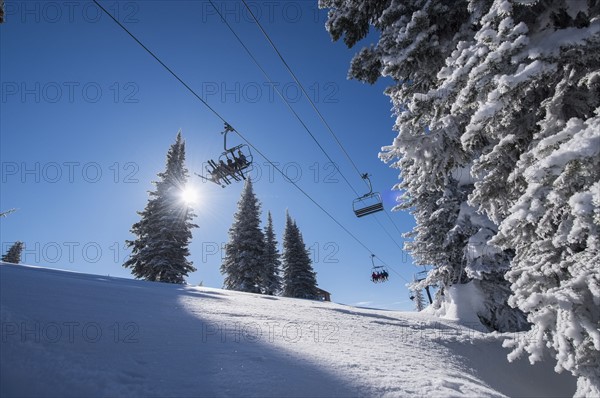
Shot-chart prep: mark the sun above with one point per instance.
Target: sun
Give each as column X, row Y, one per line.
column 189, row 195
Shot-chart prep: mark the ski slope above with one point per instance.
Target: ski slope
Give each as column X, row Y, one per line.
column 73, row 334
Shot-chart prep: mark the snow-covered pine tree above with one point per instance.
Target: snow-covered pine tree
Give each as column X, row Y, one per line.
column 418, row 299
column 7, row 212
column 416, row 39
column 530, row 102
column 555, row 230
column 299, row 279
column 520, row 91
column 243, row 265
column 13, row 255
column 164, row 231
column 271, row 280
column 533, row 127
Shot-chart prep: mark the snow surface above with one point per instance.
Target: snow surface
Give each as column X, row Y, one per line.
column 462, row 304
column 72, row 334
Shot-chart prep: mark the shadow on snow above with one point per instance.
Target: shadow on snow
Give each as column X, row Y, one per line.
column 70, row 334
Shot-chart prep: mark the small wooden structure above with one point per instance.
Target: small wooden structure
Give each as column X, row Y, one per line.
column 324, row 295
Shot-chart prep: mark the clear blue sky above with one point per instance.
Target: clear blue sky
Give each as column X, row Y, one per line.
column 87, row 117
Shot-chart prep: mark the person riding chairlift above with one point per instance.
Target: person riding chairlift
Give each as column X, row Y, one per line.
column 227, row 169
column 216, row 176
column 234, row 166
column 379, row 276
column 240, row 160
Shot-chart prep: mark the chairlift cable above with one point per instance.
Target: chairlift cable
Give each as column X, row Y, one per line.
column 239, row 134
column 387, row 233
column 301, row 86
column 266, row 75
column 392, row 221
column 159, row 61
column 289, row 69
column 285, row 101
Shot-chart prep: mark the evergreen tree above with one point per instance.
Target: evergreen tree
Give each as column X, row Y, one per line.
column 417, row 38
column 497, row 140
column 13, row 255
column 271, row 280
column 164, row 231
column 556, row 273
column 243, row 265
column 419, row 300
column 298, row 276
column 530, row 106
column 7, row 212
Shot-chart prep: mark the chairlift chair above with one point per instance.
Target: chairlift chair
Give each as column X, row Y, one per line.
column 421, row 276
column 369, row 203
column 241, row 155
column 232, row 163
column 379, row 273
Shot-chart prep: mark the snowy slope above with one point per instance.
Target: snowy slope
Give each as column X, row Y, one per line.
column 72, row 334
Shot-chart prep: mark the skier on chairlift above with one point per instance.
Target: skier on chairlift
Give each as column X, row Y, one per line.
column 228, row 169
column 214, row 176
column 230, row 166
column 221, row 172
column 241, row 160
column 236, row 166
column 379, row 276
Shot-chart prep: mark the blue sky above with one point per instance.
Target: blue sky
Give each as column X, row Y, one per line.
column 87, row 117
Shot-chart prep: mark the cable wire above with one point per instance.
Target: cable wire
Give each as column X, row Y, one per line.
column 316, row 109
column 286, row 102
column 159, row 61
column 301, row 86
column 266, row 75
column 216, row 113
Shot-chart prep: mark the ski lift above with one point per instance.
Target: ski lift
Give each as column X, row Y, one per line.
column 369, row 203
column 379, row 273
column 418, row 277
column 240, row 155
column 421, row 276
column 231, row 165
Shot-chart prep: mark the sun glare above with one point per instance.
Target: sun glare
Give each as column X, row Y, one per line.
column 189, row 195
